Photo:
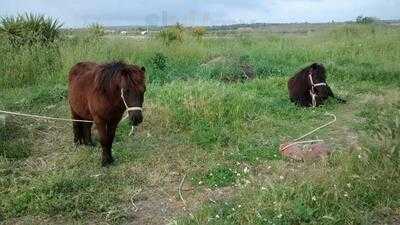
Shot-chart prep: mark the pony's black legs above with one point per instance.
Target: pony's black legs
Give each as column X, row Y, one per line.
column 77, row 129
column 107, row 133
column 87, row 134
column 78, row 133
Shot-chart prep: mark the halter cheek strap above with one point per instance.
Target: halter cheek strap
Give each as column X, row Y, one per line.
column 134, row 108
column 312, row 90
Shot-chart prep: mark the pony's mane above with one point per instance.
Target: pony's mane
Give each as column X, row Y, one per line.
column 114, row 70
column 316, row 67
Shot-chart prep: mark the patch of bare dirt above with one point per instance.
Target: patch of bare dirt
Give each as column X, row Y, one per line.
column 159, row 206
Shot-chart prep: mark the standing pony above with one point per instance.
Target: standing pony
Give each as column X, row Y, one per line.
column 308, row 87
column 102, row 93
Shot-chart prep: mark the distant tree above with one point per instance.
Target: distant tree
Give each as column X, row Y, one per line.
column 172, row 34
column 199, row 32
column 97, row 30
column 179, row 26
column 365, row 20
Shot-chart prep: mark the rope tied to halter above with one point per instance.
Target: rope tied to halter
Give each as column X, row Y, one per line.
column 312, row 90
column 75, row 120
column 133, row 108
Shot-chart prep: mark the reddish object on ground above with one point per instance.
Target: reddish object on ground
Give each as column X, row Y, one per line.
column 304, row 153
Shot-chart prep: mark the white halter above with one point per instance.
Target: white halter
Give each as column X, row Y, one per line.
column 312, row 90
column 134, row 108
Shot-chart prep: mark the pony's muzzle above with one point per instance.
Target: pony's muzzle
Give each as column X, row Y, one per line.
column 135, row 117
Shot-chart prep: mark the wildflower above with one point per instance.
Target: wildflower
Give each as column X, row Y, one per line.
column 314, row 198
column 279, row 216
column 348, row 185
column 246, row 170
column 281, row 177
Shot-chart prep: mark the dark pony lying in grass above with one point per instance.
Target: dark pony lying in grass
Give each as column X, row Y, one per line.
column 308, row 87
column 102, row 93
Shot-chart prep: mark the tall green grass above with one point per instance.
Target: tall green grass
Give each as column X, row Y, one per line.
column 355, row 53
column 201, row 119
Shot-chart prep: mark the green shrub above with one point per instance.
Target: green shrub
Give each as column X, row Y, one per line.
column 199, row 33
column 159, row 61
column 29, row 29
column 28, row 66
column 366, row 20
column 96, row 30
column 172, row 34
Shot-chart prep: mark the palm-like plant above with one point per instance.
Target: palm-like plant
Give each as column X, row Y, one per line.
column 28, row 29
column 172, row 34
column 96, row 30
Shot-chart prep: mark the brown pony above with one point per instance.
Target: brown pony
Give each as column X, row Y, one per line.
column 308, row 87
column 102, row 93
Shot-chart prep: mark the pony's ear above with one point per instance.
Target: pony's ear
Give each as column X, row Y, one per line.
column 314, row 65
column 143, row 69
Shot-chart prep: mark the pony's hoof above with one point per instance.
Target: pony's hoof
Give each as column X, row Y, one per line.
column 91, row 144
column 107, row 162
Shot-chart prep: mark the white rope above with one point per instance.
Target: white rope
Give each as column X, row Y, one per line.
column 74, row 120
column 312, row 91
column 180, row 189
column 44, row 117
column 134, row 108
column 296, row 141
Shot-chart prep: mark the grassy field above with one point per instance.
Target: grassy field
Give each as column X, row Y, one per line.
column 208, row 127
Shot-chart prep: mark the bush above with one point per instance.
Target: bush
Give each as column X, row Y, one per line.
column 29, row 29
column 159, row 61
column 96, row 30
column 366, row 20
column 199, row 33
column 172, row 34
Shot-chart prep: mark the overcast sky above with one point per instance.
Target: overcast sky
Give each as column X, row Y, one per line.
column 77, row 13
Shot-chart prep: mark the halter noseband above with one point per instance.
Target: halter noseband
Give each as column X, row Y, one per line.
column 312, row 90
column 134, row 108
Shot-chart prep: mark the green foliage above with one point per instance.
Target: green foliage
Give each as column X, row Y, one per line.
column 366, row 20
column 172, row 34
column 159, row 61
column 48, row 95
column 14, row 141
column 30, row 29
column 96, row 30
column 196, row 123
column 349, row 188
column 382, row 124
column 28, row 66
column 199, row 32
column 219, row 176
